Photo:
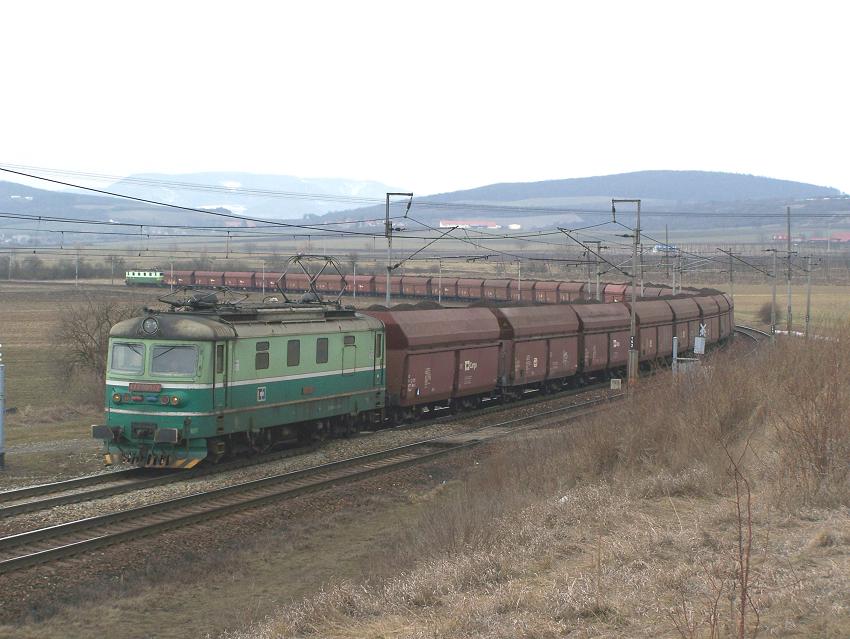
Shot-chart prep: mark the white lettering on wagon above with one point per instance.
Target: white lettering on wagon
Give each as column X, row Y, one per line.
column 261, row 393
column 470, row 365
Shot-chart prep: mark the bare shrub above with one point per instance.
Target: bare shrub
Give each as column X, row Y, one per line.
column 83, row 335
column 810, row 418
column 764, row 313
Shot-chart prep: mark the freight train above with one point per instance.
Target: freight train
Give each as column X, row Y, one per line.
column 205, row 379
column 419, row 286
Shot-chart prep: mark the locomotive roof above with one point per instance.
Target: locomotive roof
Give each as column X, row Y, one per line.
column 250, row 322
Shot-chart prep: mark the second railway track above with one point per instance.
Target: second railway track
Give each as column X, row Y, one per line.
column 43, row 496
column 64, row 540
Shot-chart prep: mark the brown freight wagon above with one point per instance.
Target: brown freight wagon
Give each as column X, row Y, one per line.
column 179, row 278
column 497, row 290
column 572, row 291
column 686, row 315
column 614, row 293
column 209, row 278
column 727, row 325
column 710, row 318
column 239, row 279
column 330, row 283
column 651, row 291
column 269, row 279
column 444, row 287
column 438, row 356
column 363, row 284
column 605, row 336
column 416, row 286
column 523, row 290
column 654, row 324
column 296, row 282
column 381, row 285
column 539, row 345
column 469, row 289
column 546, row 292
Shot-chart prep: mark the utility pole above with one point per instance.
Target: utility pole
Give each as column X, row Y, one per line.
column 666, row 253
column 264, row 276
column 788, row 272
column 641, row 269
column 77, row 271
column 388, row 230
column 172, row 277
column 519, row 277
column 440, row 282
column 731, row 279
column 679, row 268
column 828, row 243
column 773, row 299
column 632, row 367
column 354, row 283
column 112, row 270
column 674, row 276
column 596, row 253
column 808, row 292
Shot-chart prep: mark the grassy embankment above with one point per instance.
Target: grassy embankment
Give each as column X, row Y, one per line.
column 716, row 507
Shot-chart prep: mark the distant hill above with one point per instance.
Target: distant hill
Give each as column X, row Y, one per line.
column 689, row 197
column 267, row 196
column 571, row 202
column 676, row 186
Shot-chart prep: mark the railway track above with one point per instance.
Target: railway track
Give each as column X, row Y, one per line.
column 64, row 540
column 754, row 334
column 71, row 491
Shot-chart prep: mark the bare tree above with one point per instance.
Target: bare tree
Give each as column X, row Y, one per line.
column 83, row 333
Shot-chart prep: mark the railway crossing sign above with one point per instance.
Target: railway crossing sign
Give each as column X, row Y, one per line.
column 699, row 345
column 703, row 331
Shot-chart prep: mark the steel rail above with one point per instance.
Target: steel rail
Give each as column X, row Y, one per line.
column 16, row 494
column 143, row 480
column 63, row 540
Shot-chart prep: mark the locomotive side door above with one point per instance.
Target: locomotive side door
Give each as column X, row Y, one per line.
column 220, row 376
column 349, row 354
column 378, row 360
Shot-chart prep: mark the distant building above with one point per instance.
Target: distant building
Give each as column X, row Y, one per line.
column 469, row 224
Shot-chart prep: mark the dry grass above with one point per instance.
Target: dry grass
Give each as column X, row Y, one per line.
column 604, row 530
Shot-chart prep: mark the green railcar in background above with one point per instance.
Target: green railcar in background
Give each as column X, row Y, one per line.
column 144, row 278
column 193, row 384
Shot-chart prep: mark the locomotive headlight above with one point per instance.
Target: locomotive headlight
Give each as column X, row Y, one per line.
column 116, row 397
column 175, row 401
column 150, row 325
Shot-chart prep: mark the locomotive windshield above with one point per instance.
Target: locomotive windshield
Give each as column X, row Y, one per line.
column 174, row 360
column 128, row 358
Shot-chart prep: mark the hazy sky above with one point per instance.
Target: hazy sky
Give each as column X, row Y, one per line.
column 430, row 96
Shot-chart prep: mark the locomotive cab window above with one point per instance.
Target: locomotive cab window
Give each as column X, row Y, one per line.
column 174, row 360
column 348, row 340
column 293, row 352
column 322, row 350
column 128, row 358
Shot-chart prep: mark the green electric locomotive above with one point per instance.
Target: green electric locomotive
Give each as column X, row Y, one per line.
column 144, row 278
column 204, row 380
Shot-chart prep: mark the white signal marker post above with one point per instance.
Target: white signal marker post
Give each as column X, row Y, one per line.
column 2, row 411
